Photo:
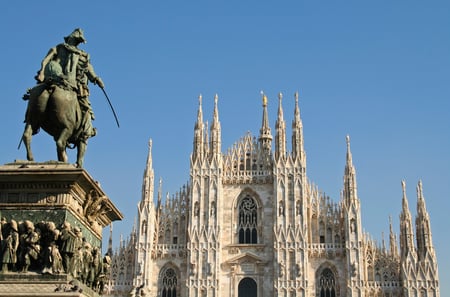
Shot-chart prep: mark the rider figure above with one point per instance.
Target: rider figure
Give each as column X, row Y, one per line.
column 69, row 67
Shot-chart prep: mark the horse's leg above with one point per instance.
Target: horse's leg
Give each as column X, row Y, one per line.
column 82, row 145
column 37, row 103
column 61, row 144
column 26, row 137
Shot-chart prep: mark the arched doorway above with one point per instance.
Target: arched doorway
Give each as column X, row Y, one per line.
column 247, row 288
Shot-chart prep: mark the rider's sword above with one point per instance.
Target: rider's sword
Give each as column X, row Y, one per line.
column 110, row 105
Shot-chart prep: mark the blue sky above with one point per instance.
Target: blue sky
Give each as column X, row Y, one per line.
column 376, row 70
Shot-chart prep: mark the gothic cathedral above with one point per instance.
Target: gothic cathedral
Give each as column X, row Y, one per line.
column 249, row 223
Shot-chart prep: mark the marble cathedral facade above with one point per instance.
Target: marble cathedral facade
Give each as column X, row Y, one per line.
column 250, row 223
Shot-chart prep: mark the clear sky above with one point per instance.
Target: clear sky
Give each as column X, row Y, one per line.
column 376, row 70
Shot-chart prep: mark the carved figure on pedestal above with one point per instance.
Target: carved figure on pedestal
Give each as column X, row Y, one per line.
column 77, row 259
column 51, row 258
column 94, row 269
column 104, row 275
column 3, row 229
column 86, row 261
column 9, row 246
column 67, row 249
column 94, row 206
column 31, row 246
column 36, row 247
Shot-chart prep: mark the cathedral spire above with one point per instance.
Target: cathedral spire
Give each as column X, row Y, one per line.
column 199, row 113
column 265, row 137
column 352, row 216
column 133, row 232
column 297, row 135
column 159, row 194
column 147, row 184
column 423, row 228
column 280, row 136
column 392, row 239
column 206, row 139
column 350, row 188
column 198, row 133
column 216, row 113
column 110, row 241
column 215, row 131
column 406, row 230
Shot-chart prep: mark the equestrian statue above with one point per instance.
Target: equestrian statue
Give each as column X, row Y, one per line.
column 59, row 103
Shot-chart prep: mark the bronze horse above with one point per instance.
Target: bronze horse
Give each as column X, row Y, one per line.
column 55, row 109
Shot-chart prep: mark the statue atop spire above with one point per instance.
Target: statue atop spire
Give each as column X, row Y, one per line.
column 280, row 109
column 264, row 99
column 199, row 132
column 148, row 179
column 265, row 136
column 349, row 154
column 216, row 135
column 392, row 239
column 350, row 188
column 298, row 151
column 406, row 229
column 199, row 113
column 280, row 136
column 405, row 206
column 216, row 112
column 423, row 226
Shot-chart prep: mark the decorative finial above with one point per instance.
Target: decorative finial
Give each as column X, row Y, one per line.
column 150, row 142
column 347, row 139
column 216, row 97
column 200, row 99
column 264, row 99
column 280, row 96
column 419, row 189
column 296, row 97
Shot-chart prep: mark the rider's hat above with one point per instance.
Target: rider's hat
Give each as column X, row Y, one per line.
column 77, row 34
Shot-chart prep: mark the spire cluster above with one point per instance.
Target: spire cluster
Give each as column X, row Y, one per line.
column 207, row 144
column 253, row 205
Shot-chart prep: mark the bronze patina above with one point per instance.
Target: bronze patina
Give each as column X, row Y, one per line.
column 59, row 103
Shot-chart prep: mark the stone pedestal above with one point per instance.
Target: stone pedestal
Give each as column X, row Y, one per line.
column 57, row 192
column 53, row 192
column 40, row 285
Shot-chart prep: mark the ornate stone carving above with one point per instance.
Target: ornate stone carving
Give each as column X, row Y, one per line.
column 94, row 206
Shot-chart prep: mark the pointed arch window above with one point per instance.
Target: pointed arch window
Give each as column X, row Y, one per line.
column 168, row 283
column 248, row 221
column 327, row 284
